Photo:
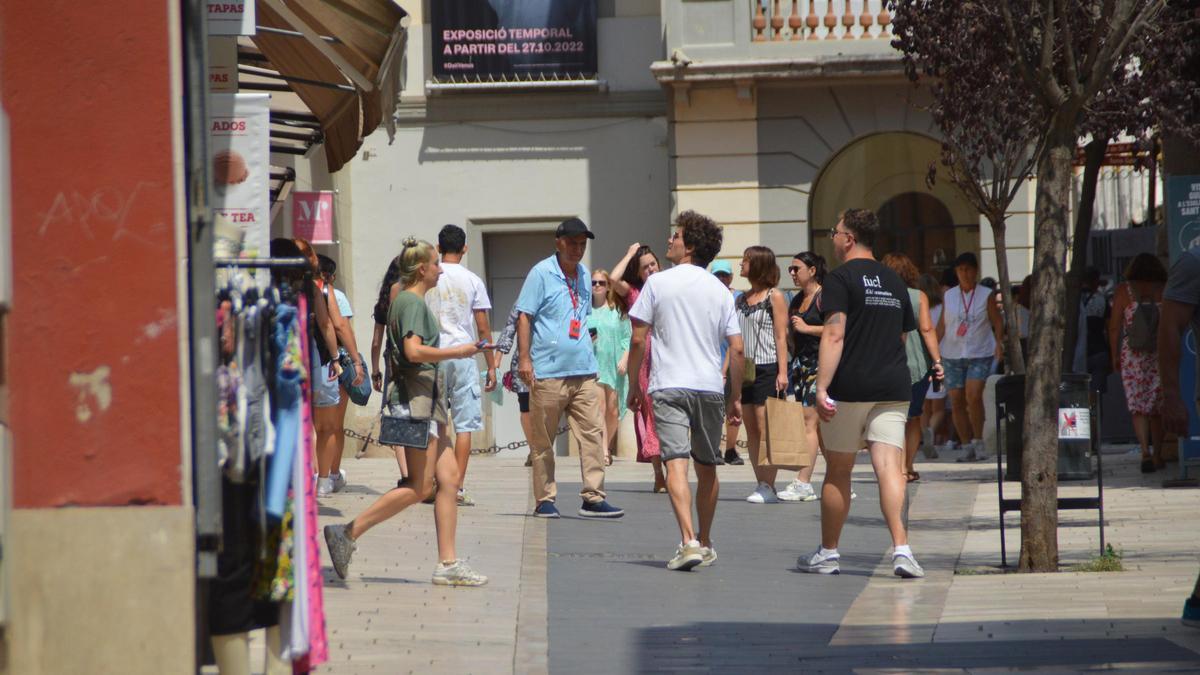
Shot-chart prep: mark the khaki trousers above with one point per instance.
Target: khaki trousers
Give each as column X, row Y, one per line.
column 579, row 398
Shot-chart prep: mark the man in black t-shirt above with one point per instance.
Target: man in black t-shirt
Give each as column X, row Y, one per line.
column 863, row 388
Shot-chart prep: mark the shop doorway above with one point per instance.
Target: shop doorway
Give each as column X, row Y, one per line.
column 508, row 257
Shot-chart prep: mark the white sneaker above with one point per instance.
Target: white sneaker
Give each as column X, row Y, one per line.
column 905, row 566
column 324, row 487
column 709, row 553
column 974, row 452
column 797, row 492
column 820, row 564
column 687, row 556
column 763, row 494
column 339, row 480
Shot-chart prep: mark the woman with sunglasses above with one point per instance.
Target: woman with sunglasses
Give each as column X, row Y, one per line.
column 610, row 333
column 804, row 337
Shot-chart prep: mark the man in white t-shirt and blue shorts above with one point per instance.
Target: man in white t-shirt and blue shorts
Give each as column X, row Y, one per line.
column 460, row 302
column 691, row 314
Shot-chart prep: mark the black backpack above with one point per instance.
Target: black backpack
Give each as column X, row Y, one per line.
column 1143, row 328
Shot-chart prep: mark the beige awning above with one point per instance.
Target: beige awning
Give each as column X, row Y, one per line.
column 342, row 58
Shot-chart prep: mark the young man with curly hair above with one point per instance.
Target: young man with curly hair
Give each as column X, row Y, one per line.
column 691, row 315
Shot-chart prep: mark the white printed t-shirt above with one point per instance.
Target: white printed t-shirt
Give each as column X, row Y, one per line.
column 458, row 294
column 691, row 314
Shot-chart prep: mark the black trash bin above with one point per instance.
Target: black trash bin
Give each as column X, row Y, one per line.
column 1075, row 418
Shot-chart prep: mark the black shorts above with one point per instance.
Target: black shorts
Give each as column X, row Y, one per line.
column 763, row 386
column 523, row 401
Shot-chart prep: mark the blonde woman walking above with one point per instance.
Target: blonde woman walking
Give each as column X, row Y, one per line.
column 416, row 384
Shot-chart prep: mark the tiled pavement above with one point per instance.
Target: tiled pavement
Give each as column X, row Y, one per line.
column 592, row 597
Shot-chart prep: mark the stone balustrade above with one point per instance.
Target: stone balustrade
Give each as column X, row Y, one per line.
column 796, row 20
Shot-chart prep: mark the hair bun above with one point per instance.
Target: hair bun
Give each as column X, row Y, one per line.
column 409, row 241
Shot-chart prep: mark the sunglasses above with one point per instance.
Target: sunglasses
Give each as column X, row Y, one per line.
column 793, row 269
column 599, row 282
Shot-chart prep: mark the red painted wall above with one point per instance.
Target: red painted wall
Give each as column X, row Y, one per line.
column 95, row 372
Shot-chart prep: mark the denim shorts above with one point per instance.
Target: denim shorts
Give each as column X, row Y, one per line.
column 325, row 391
column 689, row 424
column 958, row 371
column 464, row 394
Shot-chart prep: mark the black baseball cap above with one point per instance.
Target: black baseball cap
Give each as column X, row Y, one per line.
column 572, row 227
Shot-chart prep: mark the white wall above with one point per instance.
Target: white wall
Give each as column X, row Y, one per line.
column 496, row 176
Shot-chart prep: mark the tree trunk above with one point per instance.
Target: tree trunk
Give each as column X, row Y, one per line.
column 1039, row 471
column 1012, row 336
column 1094, row 158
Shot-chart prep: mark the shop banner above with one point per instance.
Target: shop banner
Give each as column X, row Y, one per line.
column 238, row 143
column 232, row 17
column 1183, row 214
column 513, row 39
column 312, row 216
column 222, row 65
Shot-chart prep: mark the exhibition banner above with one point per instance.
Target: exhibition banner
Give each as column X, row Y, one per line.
column 513, row 39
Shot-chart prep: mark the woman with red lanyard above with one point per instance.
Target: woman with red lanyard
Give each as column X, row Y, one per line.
column 971, row 340
column 628, row 276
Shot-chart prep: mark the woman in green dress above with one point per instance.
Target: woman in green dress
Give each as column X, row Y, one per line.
column 610, row 337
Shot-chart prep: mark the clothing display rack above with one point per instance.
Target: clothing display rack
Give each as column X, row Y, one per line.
column 258, row 555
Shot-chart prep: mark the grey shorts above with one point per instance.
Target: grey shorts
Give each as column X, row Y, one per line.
column 689, row 424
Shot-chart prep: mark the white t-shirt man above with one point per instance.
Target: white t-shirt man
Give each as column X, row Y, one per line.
column 458, row 295
column 688, row 330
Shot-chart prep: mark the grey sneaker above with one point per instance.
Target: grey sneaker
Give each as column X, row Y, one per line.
column 457, row 573
column 339, row 480
column 709, row 554
column 906, row 567
column 687, row 556
column 820, row 564
column 797, row 492
column 341, row 548
column 464, row 499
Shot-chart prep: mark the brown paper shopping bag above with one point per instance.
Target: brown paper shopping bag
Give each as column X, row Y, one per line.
column 785, row 439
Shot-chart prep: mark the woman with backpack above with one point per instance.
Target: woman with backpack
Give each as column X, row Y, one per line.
column 1133, row 334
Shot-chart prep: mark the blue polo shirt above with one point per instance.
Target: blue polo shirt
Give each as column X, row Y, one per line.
column 546, row 298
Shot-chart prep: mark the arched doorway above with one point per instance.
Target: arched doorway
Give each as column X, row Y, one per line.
column 920, row 226
column 931, row 221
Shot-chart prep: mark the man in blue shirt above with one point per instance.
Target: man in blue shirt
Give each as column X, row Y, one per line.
column 555, row 359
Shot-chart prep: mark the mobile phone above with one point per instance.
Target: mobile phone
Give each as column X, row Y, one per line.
column 592, row 332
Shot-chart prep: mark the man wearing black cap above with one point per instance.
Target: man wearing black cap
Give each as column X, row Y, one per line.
column 556, row 360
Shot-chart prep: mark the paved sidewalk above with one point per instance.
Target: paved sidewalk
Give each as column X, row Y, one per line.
column 583, row 596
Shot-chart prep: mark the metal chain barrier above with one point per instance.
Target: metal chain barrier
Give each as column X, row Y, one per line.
column 368, row 439
column 515, row 445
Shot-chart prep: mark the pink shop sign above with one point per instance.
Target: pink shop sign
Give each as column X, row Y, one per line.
column 312, row 216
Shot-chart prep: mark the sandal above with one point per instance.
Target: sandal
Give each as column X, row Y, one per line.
column 913, row 476
column 1147, row 465
column 660, row 486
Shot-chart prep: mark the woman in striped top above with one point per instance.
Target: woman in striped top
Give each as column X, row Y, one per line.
column 762, row 312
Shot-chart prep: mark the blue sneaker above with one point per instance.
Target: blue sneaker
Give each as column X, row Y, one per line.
column 1191, row 612
column 546, row 510
column 600, row 509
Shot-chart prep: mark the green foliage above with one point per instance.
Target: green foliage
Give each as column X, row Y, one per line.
column 1109, row 561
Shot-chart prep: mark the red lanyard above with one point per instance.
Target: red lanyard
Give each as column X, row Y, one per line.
column 570, row 289
column 967, row 305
